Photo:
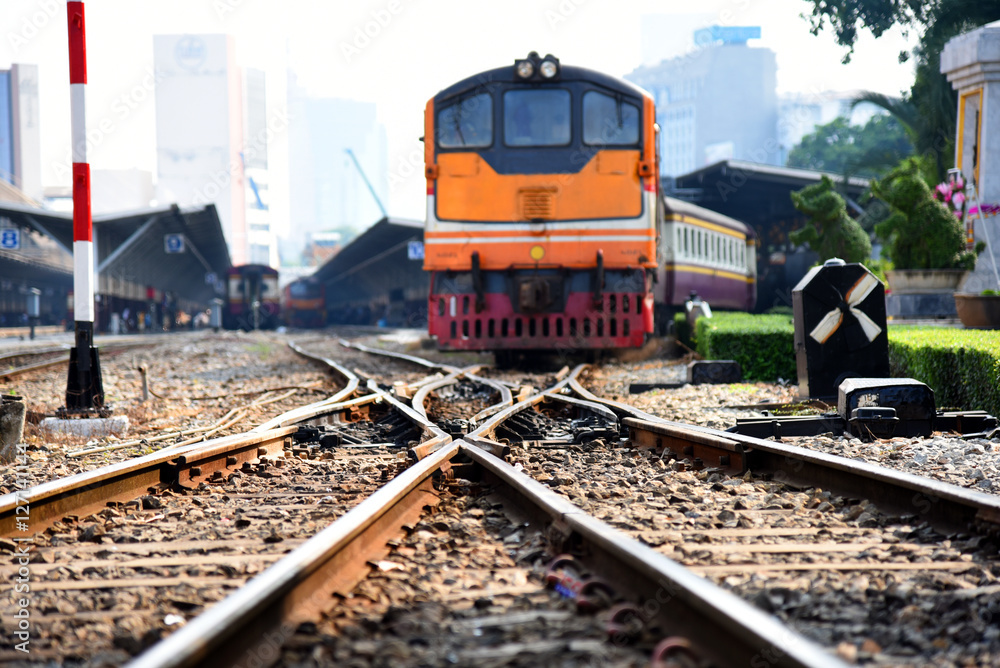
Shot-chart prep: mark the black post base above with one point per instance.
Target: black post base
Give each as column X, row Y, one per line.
column 84, row 387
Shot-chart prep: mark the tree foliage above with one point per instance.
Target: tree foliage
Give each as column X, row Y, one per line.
column 858, row 150
column 928, row 109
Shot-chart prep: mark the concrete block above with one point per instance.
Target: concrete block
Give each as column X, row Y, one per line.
column 87, row 427
column 11, row 426
column 714, row 372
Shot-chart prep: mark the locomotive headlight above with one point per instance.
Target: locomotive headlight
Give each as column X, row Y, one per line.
column 548, row 69
column 525, row 68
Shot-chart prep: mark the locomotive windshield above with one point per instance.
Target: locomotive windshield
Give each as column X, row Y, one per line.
column 608, row 120
column 469, row 123
column 304, row 290
column 536, row 117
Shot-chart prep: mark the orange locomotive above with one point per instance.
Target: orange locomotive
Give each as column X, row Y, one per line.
column 542, row 210
column 304, row 303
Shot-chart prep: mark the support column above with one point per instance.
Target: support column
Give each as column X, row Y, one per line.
column 84, row 388
column 972, row 64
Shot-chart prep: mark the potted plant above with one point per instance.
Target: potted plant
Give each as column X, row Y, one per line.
column 923, row 239
column 981, row 310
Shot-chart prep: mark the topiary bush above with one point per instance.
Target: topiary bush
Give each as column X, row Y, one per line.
column 762, row 344
column 921, row 233
column 962, row 366
column 830, row 231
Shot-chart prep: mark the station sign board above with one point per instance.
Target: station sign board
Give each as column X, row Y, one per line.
column 10, row 239
column 415, row 250
column 173, row 243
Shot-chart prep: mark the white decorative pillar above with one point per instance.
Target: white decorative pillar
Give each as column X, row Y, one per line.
column 972, row 64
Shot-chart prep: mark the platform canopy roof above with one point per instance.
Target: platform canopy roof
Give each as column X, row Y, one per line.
column 133, row 246
column 375, row 262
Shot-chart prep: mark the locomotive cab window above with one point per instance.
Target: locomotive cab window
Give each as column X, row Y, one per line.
column 536, row 117
column 609, row 121
column 468, row 123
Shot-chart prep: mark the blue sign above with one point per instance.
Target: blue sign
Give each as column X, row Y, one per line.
column 191, row 52
column 415, row 250
column 726, row 34
column 173, row 243
column 10, row 239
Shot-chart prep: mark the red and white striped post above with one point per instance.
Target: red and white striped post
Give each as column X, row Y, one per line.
column 84, row 389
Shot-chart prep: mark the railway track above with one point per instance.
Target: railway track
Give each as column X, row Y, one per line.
column 477, row 563
column 28, row 360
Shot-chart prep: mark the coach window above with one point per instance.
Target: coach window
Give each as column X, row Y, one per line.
column 608, row 120
column 536, row 117
column 468, row 123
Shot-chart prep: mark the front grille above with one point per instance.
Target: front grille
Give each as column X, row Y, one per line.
column 538, row 204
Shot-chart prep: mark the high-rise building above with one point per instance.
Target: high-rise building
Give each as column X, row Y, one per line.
column 715, row 103
column 20, row 136
column 327, row 190
column 200, row 130
column 262, row 247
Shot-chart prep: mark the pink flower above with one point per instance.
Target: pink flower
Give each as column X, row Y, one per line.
column 958, row 200
column 959, row 183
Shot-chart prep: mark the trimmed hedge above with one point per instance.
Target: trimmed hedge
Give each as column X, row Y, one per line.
column 682, row 330
column 762, row 344
column 962, row 366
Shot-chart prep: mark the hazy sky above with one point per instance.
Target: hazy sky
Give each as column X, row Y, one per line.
column 418, row 47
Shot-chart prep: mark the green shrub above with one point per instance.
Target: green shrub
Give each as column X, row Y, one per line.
column 762, row 344
column 962, row 366
column 682, row 330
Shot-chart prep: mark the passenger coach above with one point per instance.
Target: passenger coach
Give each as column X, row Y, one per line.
column 707, row 253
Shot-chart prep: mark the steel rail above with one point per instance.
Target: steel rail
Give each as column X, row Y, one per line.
column 723, row 628
column 249, row 626
column 28, row 368
column 90, row 491
column 469, row 373
column 351, row 380
column 63, row 359
column 451, row 379
column 253, row 623
column 188, row 465
column 941, row 504
column 412, row 359
column 482, row 435
column 32, row 352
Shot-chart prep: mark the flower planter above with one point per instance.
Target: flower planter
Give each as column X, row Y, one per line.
column 978, row 311
column 918, row 294
column 924, row 281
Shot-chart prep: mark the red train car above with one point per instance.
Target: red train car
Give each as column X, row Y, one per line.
column 305, row 303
